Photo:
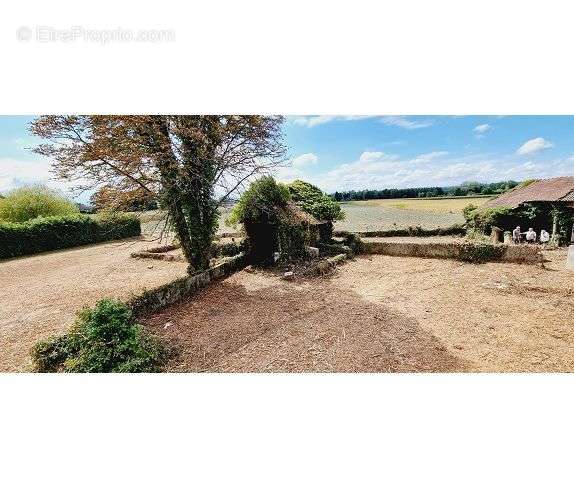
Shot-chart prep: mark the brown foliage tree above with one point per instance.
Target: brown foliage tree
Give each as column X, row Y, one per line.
column 190, row 162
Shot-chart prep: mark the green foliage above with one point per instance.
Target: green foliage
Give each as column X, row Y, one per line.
column 104, row 339
column 229, row 249
column 465, row 189
column 313, row 200
column 468, row 211
column 50, row 233
column 259, row 202
column 565, row 219
column 480, row 252
column 31, row 202
column 483, row 219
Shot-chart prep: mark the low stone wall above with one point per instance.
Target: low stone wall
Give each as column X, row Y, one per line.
column 175, row 291
column 326, row 265
column 453, row 230
column 462, row 251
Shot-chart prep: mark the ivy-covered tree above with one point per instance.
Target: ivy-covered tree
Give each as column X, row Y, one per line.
column 189, row 162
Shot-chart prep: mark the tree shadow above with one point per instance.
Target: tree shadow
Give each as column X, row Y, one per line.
column 256, row 322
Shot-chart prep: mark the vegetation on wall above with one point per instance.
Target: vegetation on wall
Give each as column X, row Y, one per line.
column 30, row 202
column 272, row 222
column 50, row 233
column 536, row 215
column 260, row 201
column 105, row 339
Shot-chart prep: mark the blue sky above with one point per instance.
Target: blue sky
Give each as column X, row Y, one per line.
column 358, row 152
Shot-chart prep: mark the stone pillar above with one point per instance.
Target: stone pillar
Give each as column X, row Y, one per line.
column 507, row 237
column 570, row 259
column 496, row 235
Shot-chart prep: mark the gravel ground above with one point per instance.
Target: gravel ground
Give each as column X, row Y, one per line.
column 380, row 313
column 40, row 294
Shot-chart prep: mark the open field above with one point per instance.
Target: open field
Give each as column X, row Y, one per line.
column 369, row 215
column 450, row 205
column 379, row 314
column 364, row 218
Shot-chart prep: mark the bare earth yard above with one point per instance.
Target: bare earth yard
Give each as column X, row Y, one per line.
column 380, row 313
column 40, row 294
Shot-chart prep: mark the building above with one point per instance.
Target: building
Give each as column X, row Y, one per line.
column 554, row 192
column 559, row 191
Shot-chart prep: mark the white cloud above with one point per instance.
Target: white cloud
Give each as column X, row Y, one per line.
column 428, row 157
column 15, row 173
column 375, row 169
column 374, row 156
column 314, row 120
column 404, row 123
column 533, row 146
column 481, row 129
column 305, row 160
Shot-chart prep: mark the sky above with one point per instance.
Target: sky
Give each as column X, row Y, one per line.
column 372, row 152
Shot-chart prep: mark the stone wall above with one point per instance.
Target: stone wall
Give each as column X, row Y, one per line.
column 175, row 291
column 461, row 251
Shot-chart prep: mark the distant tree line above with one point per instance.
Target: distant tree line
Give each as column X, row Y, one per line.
column 468, row 188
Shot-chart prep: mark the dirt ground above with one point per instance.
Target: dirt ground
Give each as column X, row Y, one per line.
column 380, row 314
column 40, row 294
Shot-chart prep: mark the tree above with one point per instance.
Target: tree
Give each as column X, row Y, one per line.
column 110, row 198
column 189, row 162
column 313, row 200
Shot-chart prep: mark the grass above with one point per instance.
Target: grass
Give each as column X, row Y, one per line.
column 443, row 205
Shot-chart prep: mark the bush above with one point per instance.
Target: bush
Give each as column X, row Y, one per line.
column 50, row 233
column 313, row 200
column 104, row 339
column 259, row 201
column 483, row 219
column 31, row 202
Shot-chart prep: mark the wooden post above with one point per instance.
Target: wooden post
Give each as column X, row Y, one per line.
column 554, row 239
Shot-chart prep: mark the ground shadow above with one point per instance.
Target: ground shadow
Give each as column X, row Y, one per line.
column 255, row 322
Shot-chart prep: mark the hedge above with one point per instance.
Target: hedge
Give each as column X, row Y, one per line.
column 453, row 230
column 60, row 232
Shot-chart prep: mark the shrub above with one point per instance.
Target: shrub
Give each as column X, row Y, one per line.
column 104, row 339
column 259, row 201
column 313, row 200
column 31, row 202
column 483, row 219
column 50, row 233
column 229, row 249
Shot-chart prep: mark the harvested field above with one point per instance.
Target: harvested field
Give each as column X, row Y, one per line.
column 378, row 314
column 441, row 205
column 368, row 215
column 365, row 217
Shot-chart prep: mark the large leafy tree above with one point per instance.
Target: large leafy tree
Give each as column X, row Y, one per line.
column 189, row 162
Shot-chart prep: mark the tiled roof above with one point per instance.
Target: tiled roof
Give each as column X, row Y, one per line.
column 559, row 189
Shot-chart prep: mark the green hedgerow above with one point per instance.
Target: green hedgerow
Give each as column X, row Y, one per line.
column 31, row 202
column 61, row 232
column 105, row 339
